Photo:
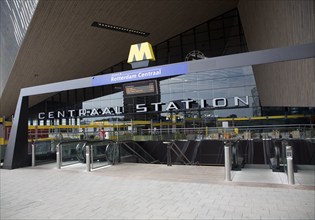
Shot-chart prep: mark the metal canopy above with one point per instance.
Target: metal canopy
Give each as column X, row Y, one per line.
column 17, row 151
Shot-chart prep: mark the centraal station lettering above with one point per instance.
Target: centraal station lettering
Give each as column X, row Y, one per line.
column 140, row 108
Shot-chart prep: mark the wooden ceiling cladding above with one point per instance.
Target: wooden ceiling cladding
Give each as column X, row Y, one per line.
column 61, row 44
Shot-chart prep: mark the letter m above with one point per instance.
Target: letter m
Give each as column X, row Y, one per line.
column 139, row 52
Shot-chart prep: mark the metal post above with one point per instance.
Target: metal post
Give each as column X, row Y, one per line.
column 88, row 159
column 161, row 126
column 151, row 128
column 58, row 156
column 33, row 154
column 290, row 165
column 0, row 154
column 168, row 153
column 116, row 156
column 117, row 130
column 227, row 163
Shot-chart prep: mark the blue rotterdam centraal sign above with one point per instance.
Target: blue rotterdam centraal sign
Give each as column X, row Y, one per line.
column 141, row 74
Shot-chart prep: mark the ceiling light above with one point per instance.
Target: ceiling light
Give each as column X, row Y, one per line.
column 118, row 28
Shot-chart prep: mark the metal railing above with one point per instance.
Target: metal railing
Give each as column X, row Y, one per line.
column 163, row 133
column 173, row 147
column 303, row 131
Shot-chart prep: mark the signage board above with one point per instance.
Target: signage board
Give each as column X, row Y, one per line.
column 142, row 88
column 140, row 52
column 141, row 74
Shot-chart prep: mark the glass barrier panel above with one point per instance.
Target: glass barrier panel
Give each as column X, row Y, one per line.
column 45, row 152
column 100, row 156
column 69, row 153
column 2, row 152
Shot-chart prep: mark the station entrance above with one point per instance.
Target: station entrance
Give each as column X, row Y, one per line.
column 183, row 130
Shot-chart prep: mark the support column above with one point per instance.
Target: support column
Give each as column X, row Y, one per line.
column 17, row 150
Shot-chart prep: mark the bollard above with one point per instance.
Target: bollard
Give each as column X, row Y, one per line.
column 289, row 155
column 58, row 156
column 168, row 153
column 227, row 163
column 33, row 155
column 88, row 159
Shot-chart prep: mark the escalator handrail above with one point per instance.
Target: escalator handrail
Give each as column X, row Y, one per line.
column 144, row 151
column 143, row 159
column 182, row 155
column 235, row 154
column 139, row 147
column 70, row 141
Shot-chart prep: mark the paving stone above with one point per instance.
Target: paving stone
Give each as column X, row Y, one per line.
column 43, row 193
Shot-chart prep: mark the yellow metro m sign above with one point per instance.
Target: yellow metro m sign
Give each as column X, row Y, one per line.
column 140, row 54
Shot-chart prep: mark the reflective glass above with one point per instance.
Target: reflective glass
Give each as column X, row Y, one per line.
column 218, row 87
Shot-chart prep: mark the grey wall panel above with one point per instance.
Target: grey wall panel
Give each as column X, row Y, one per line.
column 15, row 17
column 290, row 83
column 279, row 23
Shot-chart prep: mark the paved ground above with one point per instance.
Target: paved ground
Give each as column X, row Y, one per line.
column 139, row 191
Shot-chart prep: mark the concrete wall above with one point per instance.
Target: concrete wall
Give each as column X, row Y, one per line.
column 280, row 23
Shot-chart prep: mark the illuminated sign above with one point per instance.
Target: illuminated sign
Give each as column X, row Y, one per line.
column 140, row 55
column 217, row 103
column 143, row 74
column 142, row 88
column 140, row 52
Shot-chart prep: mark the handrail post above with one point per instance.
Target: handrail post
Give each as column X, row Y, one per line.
column 58, row 156
column 227, row 163
column 88, row 159
column 33, row 154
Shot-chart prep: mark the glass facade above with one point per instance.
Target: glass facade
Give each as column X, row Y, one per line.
column 219, row 36
column 205, row 95
column 222, row 35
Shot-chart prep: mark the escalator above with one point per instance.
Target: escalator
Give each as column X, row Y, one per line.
column 238, row 161
column 108, row 152
column 97, row 147
column 131, row 151
column 102, row 153
column 68, row 151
